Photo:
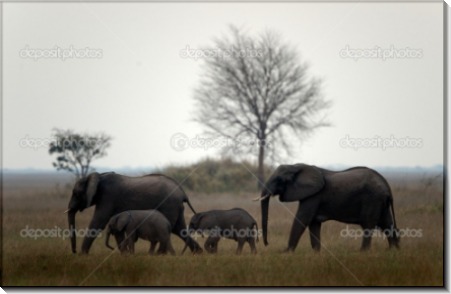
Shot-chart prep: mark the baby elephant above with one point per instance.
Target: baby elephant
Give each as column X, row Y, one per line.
column 150, row 225
column 236, row 224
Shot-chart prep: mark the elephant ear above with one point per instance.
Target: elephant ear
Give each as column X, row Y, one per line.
column 195, row 221
column 91, row 187
column 302, row 181
column 122, row 221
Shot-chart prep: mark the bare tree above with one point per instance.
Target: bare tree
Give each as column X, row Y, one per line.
column 257, row 87
column 75, row 152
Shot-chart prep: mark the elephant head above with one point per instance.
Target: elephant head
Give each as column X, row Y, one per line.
column 196, row 222
column 292, row 183
column 83, row 196
column 116, row 226
column 203, row 221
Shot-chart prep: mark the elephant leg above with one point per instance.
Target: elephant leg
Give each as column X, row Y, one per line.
column 370, row 216
column 207, row 247
column 251, row 242
column 131, row 245
column 123, row 246
column 367, row 236
column 387, row 226
column 393, row 238
column 153, row 244
column 241, row 242
column 162, row 249
column 211, row 244
column 130, row 238
column 214, row 247
column 98, row 223
column 119, row 239
column 315, row 235
column 165, row 247
column 304, row 216
column 180, row 230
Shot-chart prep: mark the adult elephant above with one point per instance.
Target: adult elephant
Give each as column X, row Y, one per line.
column 358, row 195
column 112, row 193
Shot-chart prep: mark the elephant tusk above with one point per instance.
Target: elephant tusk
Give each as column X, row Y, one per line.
column 261, row 198
column 66, row 211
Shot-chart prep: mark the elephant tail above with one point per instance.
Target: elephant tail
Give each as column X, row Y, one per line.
column 189, row 204
column 186, row 196
column 392, row 211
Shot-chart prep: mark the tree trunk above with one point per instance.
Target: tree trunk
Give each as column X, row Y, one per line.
column 261, row 168
column 261, row 183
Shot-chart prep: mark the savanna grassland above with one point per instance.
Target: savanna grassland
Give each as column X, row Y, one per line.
column 38, row 201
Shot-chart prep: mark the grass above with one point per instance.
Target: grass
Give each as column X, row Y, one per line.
column 48, row 261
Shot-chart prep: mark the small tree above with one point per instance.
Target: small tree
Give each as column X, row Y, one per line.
column 259, row 90
column 75, row 152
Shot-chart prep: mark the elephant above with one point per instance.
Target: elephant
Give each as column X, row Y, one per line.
column 149, row 225
column 236, row 224
column 113, row 193
column 358, row 195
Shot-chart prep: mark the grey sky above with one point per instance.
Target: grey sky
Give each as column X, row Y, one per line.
column 140, row 90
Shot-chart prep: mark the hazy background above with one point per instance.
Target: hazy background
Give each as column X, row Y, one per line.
column 140, row 90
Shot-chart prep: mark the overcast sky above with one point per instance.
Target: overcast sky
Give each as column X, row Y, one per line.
column 139, row 89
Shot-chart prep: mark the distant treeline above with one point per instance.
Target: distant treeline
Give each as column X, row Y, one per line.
column 211, row 175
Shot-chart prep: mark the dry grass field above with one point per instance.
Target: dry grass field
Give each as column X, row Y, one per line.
column 34, row 201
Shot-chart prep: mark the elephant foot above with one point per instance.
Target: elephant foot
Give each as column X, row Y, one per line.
column 288, row 250
column 198, row 251
column 393, row 246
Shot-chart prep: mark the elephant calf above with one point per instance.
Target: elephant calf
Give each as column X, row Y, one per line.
column 236, row 224
column 150, row 225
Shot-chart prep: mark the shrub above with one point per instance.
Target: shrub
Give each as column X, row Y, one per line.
column 224, row 175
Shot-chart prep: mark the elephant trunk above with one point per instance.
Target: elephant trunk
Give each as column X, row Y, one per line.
column 71, row 221
column 265, row 208
column 107, row 239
